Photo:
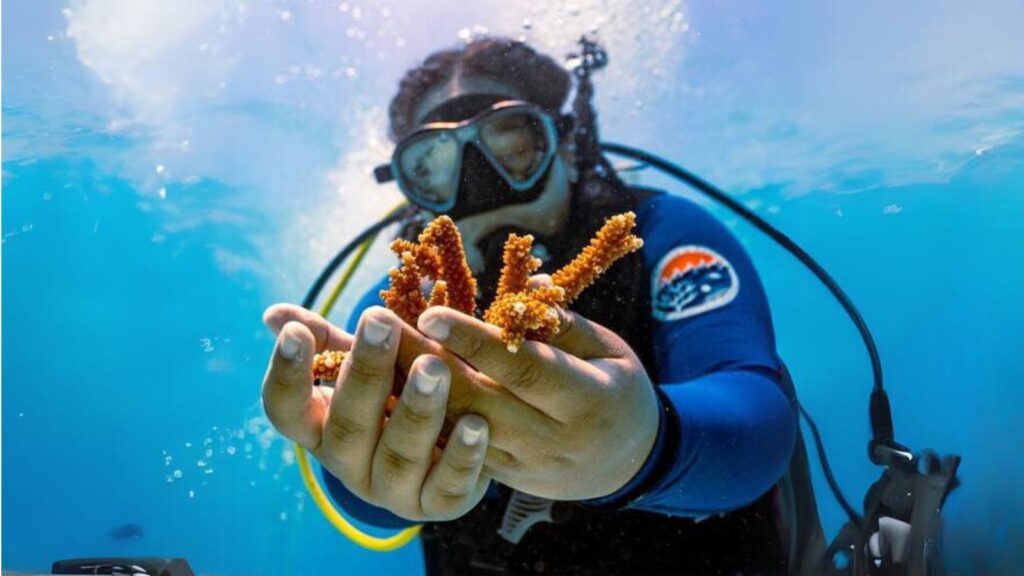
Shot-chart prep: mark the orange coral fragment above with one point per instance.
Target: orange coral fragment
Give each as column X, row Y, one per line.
column 518, row 263
column 405, row 296
column 443, row 236
column 524, row 313
column 613, row 241
column 327, row 364
column 439, row 294
column 520, row 313
column 438, row 255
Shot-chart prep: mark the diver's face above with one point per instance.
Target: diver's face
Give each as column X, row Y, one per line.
column 545, row 215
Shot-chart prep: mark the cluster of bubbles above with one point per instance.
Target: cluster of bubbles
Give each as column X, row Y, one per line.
column 23, row 229
column 255, row 447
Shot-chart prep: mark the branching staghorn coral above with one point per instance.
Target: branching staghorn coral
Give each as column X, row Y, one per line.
column 529, row 314
column 438, row 255
column 613, row 241
column 521, row 311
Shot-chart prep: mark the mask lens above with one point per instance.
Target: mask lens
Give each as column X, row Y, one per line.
column 429, row 166
column 518, row 141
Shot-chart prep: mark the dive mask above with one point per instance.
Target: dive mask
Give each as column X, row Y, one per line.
column 513, row 144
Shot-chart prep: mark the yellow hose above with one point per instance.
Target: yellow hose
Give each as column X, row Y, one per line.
column 354, row 534
column 370, row 542
column 357, row 259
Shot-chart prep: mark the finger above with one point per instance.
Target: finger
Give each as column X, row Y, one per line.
column 507, row 469
column 364, row 382
column 327, row 335
column 288, row 397
column 537, row 373
column 515, row 424
column 586, row 339
column 406, row 446
column 456, row 483
column 502, row 465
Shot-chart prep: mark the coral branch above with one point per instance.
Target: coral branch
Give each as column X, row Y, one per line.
column 405, row 296
column 520, row 311
column 439, row 294
column 327, row 364
column 517, row 265
column 444, row 237
column 613, row 241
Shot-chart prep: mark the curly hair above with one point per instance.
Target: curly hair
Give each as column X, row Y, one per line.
column 538, row 77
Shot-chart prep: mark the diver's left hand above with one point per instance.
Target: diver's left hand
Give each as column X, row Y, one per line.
column 589, row 385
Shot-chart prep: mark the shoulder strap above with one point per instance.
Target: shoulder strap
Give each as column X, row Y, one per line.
column 802, row 532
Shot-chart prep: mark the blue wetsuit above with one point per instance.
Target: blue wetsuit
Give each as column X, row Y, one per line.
column 727, row 428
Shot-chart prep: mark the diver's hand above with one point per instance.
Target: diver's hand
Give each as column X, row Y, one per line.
column 598, row 406
column 389, row 462
column 515, row 428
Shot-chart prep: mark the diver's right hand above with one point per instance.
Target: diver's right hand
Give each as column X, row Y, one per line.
column 389, row 462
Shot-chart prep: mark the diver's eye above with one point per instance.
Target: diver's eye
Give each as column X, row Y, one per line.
column 429, row 164
column 517, row 141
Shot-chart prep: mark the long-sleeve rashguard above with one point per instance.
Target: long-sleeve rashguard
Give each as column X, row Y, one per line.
column 727, row 429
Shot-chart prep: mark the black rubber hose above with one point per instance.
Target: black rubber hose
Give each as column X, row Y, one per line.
column 741, row 210
column 881, row 418
column 827, row 470
column 343, row 254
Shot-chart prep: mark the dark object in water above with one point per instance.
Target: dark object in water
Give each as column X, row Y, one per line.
column 126, row 532
column 134, row 566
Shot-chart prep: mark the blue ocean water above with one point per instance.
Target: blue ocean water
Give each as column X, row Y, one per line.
column 168, row 173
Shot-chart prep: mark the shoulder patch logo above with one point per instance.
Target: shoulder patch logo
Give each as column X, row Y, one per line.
column 691, row 280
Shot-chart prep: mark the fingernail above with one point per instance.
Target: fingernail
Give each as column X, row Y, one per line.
column 426, row 382
column 376, row 332
column 541, row 280
column 290, row 346
column 434, row 326
column 472, row 433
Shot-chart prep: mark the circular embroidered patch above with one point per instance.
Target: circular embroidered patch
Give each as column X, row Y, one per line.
column 691, row 280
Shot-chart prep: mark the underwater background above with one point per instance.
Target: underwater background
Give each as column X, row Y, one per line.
column 172, row 168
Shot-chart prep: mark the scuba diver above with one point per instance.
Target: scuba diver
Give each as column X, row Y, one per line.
column 657, row 432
